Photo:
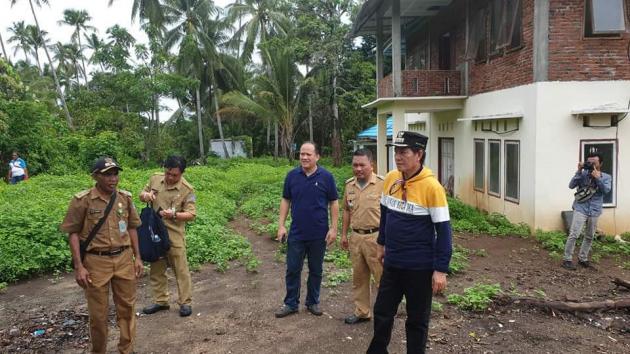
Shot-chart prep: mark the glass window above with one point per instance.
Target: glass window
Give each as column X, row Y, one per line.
column 505, row 25
column 607, row 148
column 494, row 167
column 512, row 170
column 479, row 164
column 604, row 18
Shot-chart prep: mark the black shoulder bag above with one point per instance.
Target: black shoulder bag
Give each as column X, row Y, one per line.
column 84, row 245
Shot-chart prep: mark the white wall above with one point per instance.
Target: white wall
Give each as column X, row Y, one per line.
column 520, row 99
column 558, row 148
column 235, row 148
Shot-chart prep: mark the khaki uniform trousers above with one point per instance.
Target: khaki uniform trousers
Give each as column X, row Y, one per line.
column 119, row 272
column 176, row 258
column 364, row 264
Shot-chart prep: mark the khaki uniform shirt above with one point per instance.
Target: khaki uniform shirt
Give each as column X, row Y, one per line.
column 364, row 204
column 88, row 207
column 180, row 196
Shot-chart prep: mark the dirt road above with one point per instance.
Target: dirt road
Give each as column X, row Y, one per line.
column 233, row 311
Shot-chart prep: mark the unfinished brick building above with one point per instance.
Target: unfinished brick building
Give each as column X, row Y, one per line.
column 512, row 93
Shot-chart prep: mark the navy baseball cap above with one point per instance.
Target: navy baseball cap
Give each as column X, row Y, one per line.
column 410, row 139
column 105, row 164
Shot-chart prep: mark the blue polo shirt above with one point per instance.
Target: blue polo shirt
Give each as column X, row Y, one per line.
column 309, row 196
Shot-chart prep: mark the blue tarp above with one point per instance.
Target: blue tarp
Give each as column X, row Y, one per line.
column 370, row 133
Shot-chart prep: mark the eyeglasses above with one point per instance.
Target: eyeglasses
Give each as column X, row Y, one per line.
column 397, row 186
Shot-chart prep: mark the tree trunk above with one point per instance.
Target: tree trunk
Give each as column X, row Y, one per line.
column 82, row 59
column 276, row 141
column 39, row 64
column 621, row 282
column 573, row 306
column 54, row 73
column 310, row 118
column 4, row 51
column 336, row 134
column 26, row 57
column 202, row 154
column 219, row 125
column 268, row 136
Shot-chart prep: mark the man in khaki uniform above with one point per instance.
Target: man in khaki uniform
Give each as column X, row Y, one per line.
column 361, row 214
column 174, row 198
column 112, row 257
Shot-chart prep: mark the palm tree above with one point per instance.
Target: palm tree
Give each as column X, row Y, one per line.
column 263, row 21
column 52, row 67
column 98, row 48
column 275, row 98
column 37, row 40
column 68, row 57
column 190, row 18
column 149, row 10
column 4, row 51
column 77, row 19
column 20, row 36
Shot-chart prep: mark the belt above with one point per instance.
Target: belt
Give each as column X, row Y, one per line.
column 365, row 232
column 111, row 252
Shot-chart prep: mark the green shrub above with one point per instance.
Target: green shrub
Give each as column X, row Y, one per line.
column 476, row 298
column 459, row 259
column 465, row 218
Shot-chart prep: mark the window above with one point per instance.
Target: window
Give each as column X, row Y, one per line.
column 505, row 25
column 608, row 150
column 494, row 167
column 478, row 37
column 604, row 18
column 479, row 164
column 512, row 171
column 444, row 52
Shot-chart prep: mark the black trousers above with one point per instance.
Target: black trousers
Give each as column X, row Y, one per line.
column 416, row 286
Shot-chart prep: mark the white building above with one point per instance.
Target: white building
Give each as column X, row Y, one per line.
column 517, row 92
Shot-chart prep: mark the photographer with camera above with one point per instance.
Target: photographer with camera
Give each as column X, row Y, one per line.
column 592, row 185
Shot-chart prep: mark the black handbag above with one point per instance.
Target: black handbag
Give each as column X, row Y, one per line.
column 152, row 236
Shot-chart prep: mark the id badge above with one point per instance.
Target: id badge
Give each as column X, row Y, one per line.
column 122, row 227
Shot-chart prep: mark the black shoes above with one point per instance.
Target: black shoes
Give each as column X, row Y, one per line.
column 584, row 264
column 153, row 308
column 568, row 265
column 185, row 310
column 285, row 311
column 354, row 319
column 314, row 309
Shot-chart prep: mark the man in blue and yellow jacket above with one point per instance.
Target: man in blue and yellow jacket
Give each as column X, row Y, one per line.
column 414, row 244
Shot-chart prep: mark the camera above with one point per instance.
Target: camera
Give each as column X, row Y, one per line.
column 588, row 166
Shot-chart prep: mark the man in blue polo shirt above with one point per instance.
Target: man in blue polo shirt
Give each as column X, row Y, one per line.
column 309, row 191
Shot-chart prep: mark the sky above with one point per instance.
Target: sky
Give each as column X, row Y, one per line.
column 103, row 17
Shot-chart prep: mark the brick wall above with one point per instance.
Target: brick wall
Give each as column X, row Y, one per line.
column 420, row 83
column 571, row 56
column 575, row 58
column 510, row 69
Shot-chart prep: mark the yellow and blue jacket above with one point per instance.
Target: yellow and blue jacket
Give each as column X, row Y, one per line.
column 415, row 224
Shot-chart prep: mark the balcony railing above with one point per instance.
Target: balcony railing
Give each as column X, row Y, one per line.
column 421, row 83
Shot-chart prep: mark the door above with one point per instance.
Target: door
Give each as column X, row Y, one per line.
column 446, row 163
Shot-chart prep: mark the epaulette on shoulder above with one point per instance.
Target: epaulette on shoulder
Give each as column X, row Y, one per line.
column 349, row 180
column 82, row 194
column 185, row 183
column 380, row 177
column 124, row 192
column 158, row 173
